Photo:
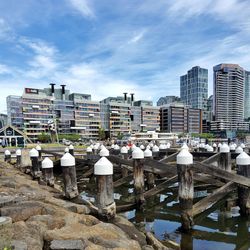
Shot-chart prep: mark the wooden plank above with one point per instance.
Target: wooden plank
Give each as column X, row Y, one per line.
column 216, row 172
column 88, row 173
column 208, row 201
column 123, row 180
column 160, row 187
column 212, row 159
column 172, row 157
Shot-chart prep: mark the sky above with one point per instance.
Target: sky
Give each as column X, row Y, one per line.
column 107, row 47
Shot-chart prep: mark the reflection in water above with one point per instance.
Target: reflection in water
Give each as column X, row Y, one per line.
column 221, row 229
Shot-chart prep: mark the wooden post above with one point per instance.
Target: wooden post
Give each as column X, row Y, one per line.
column 71, row 149
column 138, row 166
column 155, row 151
column 150, row 176
column 215, row 147
column 7, row 156
column 103, row 169
column 89, row 152
column 243, row 168
column 232, row 148
column 18, row 158
column 116, row 150
column 95, row 149
column 39, row 149
column 239, row 150
column 35, row 168
column 186, row 188
column 48, row 175
column 124, row 155
column 225, row 158
column 69, row 176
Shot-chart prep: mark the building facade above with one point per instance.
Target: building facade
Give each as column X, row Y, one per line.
column 178, row 118
column 167, row 100
column 247, row 96
column 194, row 88
column 228, row 99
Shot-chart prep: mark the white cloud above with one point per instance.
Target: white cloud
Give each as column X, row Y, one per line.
column 137, row 37
column 4, row 69
column 83, row 7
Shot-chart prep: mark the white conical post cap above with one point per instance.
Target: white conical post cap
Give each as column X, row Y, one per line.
column 7, row 152
column 239, row 150
column 142, row 147
column 210, row 149
column 124, row 150
column 47, row 163
column 184, row 158
column 88, row 149
column 151, row 144
column 185, row 146
column 242, row 145
column 91, row 145
column 68, row 160
column 128, row 148
column 214, row 145
column 104, row 152
column 219, row 145
column 103, row 167
column 148, row 153
column 148, row 147
column 18, row 152
column 224, row 148
column 137, row 153
column 133, row 147
column 71, row 146
column 66, row 150
column 232, row 147
column 96, row 147
column 243, row 159
column 116, row 147
column 33, row 153
column 162, row 146
column 112, row 146
column 155, row 149
column 38, row 148
column 168, row 145
column 102, row 146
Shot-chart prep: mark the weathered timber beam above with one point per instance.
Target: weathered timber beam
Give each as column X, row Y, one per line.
column 88, row 173
column 123, row 180
column 218, row 194
column 172, row 157
column 212, row 159
column 216, row 172
column 160, row 187
column 214, row 236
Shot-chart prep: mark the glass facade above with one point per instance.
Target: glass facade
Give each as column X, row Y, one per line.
column 194, row 88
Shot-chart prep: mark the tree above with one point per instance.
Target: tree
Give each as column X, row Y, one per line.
column 44, row 137
column 101, row 133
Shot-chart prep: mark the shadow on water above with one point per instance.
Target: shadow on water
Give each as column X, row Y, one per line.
column 220, row 227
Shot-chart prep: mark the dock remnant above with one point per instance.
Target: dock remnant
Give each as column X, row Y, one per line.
column 138, row 167
column 243, row 168
column 69, row 176
column 103, row 169
column 186, row 188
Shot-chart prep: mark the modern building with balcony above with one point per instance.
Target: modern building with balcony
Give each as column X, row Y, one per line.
column 229, row 95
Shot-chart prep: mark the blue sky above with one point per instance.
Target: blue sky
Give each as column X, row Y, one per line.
column 107, row 47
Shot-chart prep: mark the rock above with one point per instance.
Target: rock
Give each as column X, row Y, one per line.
column 5, row 231
column 147, row 247
column 50, row 221
column 130, row 229
column 22, row 211
column 155, row 243
column 6, row 200
column 18, row 245
column 67, row 245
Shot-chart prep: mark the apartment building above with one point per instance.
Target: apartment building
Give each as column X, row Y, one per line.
column 178, row 118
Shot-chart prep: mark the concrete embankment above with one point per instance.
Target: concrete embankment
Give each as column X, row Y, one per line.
column 36, row 217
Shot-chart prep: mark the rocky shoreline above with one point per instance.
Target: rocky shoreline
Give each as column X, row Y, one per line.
column 36, row 217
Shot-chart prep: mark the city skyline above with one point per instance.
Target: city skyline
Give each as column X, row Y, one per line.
column 107, row 48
